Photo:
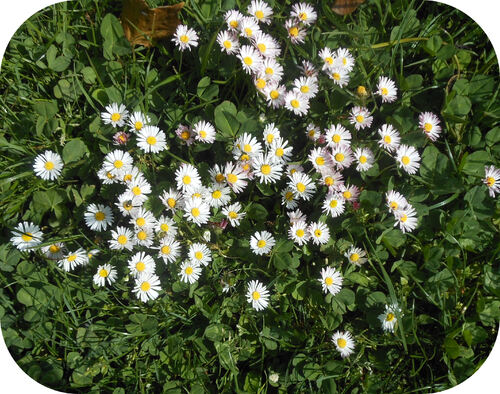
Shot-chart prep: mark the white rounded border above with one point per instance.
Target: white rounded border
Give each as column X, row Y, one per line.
column 14, row 14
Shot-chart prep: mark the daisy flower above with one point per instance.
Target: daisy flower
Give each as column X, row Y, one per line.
column 169, row 250
column 26, row 236
column 342, row 156
column 293, row 168
column 233, row 19
column 120, row 138
column 234, row 214
column 296, row 32
column 165, row 227
column 92, row 253
column 267, row 169
column 308, row 69
column 144, row 236
column 216, row 173
column 388, row 318
column 492, row 180
column 141, row 263
column 204, row 132
column 270, row 133
column 218, row 195
column 228, row 42
column 308, row 86
column 122, row 238
column 288, row 199
column 302, row 185
column 107, row 177
column 185, row 134
column 334, row 204
column 389, row 138
column 344, row 343
column 319, row 157
column 261, row 11
column 349, row 192
column 171, row 198
column 331, row 280
column 151, row 139
column 147, row 286
column 257, row 295
column 236, row 177
column 328, row 58
column 200, row 254
column 271, row 70
column 185, row 38
column 395, row 201
column 339, row 76
column 117, row 161
column 248, row 27
column 130, row 174
column 313, row 132
column 141, row 218
column 98, row 217
column 187, row 176
column 406, row 218
column 126, row 205
column 344, row 60
column 356, row 256
column 250, row 59
column 332, row 179
column 275, row 95
column 262, row 242
column 365, row 159
column 246, row 144
column 361, row 91
column 304, row 13
column 296, row 216
column 73, row 259
column 105, row 273
column 48, row 165
column 360, row 117
column 386, row 88
column 320, row 233
column 196, row 211
column 299, row 233
column 190, row 271
column 137, row 121
column 429, row 123
column 337, row 135
column 408, row 158
column 296, row 102
column 266, row 45
column 115, row 115
column 138, row 190
column 55, row 251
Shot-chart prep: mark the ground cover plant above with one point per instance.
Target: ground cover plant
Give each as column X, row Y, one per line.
column 275, row 198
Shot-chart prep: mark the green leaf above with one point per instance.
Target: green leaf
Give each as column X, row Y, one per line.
column 115, row 42
column 394, row 238
column 493, row 136
column 257, row 212
column 47, row 200
column 205, row 90
column 46, row 109
column 433, row 44
column 225, row 119
column 89, row 75
column 74, row 150
column 459, row 106
column 217, row 332
column 451, row 347
column 474, row 163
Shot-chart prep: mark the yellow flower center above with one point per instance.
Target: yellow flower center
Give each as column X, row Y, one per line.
column 49, row 165
column 198, row 255
column 360, row 118
column 265, row 169
column 354, row 257
column 138, row 125
column 233, row 215
column 127, row 177
column 344, row 61
column 269, row 71
column 347, row 194
column 115, row 117
column 185, row 135
column 311, row 133
column 304, row 89
column 261, row 243
column 329, row 60
column 361, row 90
column 220, row 178
column 384, row 91
column 293, row 171
column 203, row 134
column 289, row 196
column 118, row 164
column 320, row 161
column 387, row 139
column 140, row 266
column 233, row 24
column 248, row 32
column 151, row 140
column 294, row 31
column 171, row 202
column 405, row 160
column 279, row 152
column 341, row 342
column 329, row 181
column 216, row 194
column 328, row 280
column 103, row 273
column 404, row 218
column 184, row 38
column 389, row 317
column 72, row 257
column 295, row 103
column 333, row 203
column 317, row 233
column 164, row 227
column 136, row 190
column 259, row 14
column 122, row 239
column 394, row 205
column 248, row 60
column 110, row 175
column 261, row 84
column 100, row 216
column 339, row 157
column 247, row 148
column 227, row 44
column 127, row 206
column 301, row 187
column 270, row 138
column 145, row 286
column 188, row 270
column 165, row 249
column 336, row 76
column 303, row 16
column 274, row 94
column 53, row 248
column 262, row 47
column 362, row 159
column 490, row 181
column 336, row 138
column 255, row 295
column 231, row 178
column 427, row 127
column 142, row 235
column 26, row 237
column 186, row 179
column 195, row 212
column 299, row 233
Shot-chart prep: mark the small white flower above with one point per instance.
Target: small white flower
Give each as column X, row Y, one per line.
column 105, row 273
column 299, row 233
column 308, row 69
column 342, row 156
column 313, row 132
column 248, row 27
column 296, row 102
column 233, row 19
column 138, row 190
column 389, row 138
column 275, row 95
column 171, row 198
column 257, row 295
column 121, row 238
column 166, row 227
column 187, row 176
column 141, row 263
column 127, row 206
column 308, row 86
column 332, row 179
column 271, row 70
column 228, row 42
column 115, row 115
column 261, row 11
column 343, row 60
column 197, row 211
column 365, row 159
column 73, row 259
column 395, row 201
column 408, row 158
column 26, row 236
column 356, row 256
column 328, row 58
column 388, row 319
column 98, row 217
column 429, row 124
column 147, row 286
column 296, row 32
column 151, row 139
column 185, row 38
column 304, row 13
column 190, row 271
column 267, row 169
column 142, row 218
column 137, row 121
column 337, row 135
column 320, row 159
column 117, row 162
column 262, row 242
column 55, row 251
column 218, row 195
column 169, row 250
column 331, row 280
column 296, row 216
column 289, row 199
column 360, row 117
column 386, row 88
column 144, row 236
column 406, row 218
column 204, row 132
column 492, row 180
column 334, row 204
column 339, row 76
column 344, row 343
column 234, row 214
column 270, row 133
column 246, row 144
column 266, row 45
column 251, row 60
column 320, row 233
column 48, row 165
column 200, row 254
column 302, row 185
column 236, row 177
column 349, row 192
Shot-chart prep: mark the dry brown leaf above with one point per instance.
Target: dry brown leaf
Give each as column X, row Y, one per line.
column 344, row 7
column 145, row 26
